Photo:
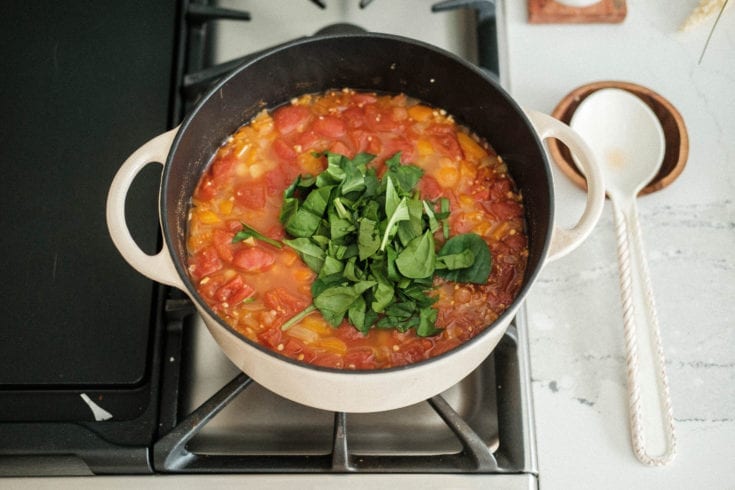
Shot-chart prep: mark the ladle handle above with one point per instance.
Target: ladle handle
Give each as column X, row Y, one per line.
column 649, row 401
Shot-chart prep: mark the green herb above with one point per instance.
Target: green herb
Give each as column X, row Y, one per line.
column 371, row 243
column 418, row 259
column 250, row 232
column 298, row 317
column 454, row 255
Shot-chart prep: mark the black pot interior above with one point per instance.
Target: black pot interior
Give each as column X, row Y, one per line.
column 362, row 62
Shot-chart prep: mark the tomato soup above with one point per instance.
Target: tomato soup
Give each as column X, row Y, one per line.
column 256, row 284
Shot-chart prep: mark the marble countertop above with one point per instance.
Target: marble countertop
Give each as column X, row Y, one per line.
column 575, row 317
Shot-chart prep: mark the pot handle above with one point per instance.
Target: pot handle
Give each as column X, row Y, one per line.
column 159, row 267
column 564, row 240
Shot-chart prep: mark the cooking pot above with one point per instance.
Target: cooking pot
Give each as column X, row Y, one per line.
column 367, row 62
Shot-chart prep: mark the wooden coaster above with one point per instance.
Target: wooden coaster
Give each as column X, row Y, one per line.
column 675, row 132
column 551, row 12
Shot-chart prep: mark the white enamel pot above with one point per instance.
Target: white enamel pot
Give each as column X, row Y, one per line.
column 363, row 62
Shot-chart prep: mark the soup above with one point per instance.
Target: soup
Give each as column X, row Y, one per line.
column 356, row 231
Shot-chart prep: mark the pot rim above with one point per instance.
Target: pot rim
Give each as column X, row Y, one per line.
column 529, row 275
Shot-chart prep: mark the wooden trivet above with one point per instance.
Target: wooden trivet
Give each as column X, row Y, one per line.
column 551, row 12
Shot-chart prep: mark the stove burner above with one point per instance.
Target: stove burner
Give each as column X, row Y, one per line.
column 483, row 445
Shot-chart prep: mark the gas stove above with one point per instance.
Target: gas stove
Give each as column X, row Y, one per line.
column 190, row 411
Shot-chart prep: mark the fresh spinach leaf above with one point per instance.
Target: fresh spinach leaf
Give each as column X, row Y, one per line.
column 334, row 302
column 311, row 253
column 414, row 225
column 331, row 266
column 400, row 213
column 479, row 271
column 303, row 223
column 461, row 260
column 368, row 239
column 404, row 177
column 427, row 323
column 418, row 259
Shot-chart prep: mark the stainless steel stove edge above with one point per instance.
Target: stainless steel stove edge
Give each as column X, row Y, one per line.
column 278, row 482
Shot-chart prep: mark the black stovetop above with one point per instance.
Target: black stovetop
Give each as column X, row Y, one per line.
column 85, row 83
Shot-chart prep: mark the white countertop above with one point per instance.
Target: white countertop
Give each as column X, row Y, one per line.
column 576, row 334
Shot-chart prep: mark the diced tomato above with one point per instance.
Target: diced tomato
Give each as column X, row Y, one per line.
column 429, row 188
column 290, row 118
column 329, row 126
column 459, row 223
column 205, row 262
column 502, row 275
column 342, row 149
column 391, row 146
column 354, row 117
column 359, row 140
column 253, row 259
column 309, row 140
column 210, row 286
column 223, row 243
column 206, row 189
column 480, row 192
column 380, row 120
column 500, row 188
column 292, row 347
column 281, row 177
column 275, row 181
column 348, row 333
column 360, row 358
column 233, row 225
column 284, row 151
column 271, row 337
column 328, row 360
column 276, row 232
column 221, row 169
column 504, row 210
column 445, row 345
column 251, row 195
column 448, row 145
column 516, row 241
column 444, row 139
column 280, row 300
column 218, row 173
column 411, row 351
column 234, row 291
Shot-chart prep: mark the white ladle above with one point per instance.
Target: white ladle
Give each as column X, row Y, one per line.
column 628, row 141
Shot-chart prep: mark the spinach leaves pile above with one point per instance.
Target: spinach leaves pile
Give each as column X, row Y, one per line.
column 371, row 242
